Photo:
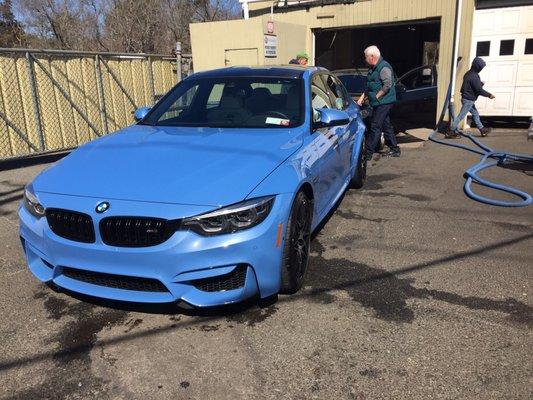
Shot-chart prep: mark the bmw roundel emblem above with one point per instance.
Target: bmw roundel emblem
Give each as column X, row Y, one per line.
column 102, row 207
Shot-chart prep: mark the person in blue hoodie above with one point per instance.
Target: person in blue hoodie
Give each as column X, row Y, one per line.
column 471, row 89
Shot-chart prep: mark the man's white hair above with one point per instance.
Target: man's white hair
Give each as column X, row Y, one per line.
column 372, row 51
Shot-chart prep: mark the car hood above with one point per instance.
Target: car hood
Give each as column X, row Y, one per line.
column 200, row 166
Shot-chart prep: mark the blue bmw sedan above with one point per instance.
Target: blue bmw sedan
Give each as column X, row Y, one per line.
column 209, row 199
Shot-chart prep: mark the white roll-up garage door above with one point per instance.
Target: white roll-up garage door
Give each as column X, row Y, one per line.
column 503, row 37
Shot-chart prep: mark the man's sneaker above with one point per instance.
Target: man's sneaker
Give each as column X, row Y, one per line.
column 484, row 131
column 393, row 153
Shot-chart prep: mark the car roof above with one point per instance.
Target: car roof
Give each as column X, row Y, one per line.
column 278, row 71
column 349, row 71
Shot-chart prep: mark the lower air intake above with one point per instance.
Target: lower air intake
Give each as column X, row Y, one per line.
column 234, row 280
column 115, row 281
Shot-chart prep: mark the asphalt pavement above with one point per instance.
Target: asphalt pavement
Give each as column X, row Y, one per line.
column 413, row 292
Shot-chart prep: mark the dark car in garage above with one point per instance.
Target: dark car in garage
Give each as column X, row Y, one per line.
column 416, row 93
column 416, row 106
column 354, row 80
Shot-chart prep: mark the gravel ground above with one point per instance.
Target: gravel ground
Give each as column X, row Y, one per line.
column 413, row 292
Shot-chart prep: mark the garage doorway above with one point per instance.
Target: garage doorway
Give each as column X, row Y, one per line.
column 406, row 46
column 412, row 48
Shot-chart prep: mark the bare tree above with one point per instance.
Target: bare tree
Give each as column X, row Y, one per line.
column 58, row 23
column 118, row 25
column 11, row 33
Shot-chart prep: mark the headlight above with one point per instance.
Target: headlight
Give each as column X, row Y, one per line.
column 231, row 219
column 31, row 203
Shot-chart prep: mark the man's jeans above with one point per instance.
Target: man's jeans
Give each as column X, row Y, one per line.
column 469, row 106
column 380, row 122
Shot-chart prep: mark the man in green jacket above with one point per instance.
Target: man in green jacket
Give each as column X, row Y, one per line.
column 381, row 93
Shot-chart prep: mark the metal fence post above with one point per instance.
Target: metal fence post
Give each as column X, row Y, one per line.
column 178, row 59
column 101, row 99
column 33, row 88
column 151, row 77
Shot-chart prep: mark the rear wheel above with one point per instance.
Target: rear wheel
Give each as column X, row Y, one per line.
column 359, row 176
column 296, row 245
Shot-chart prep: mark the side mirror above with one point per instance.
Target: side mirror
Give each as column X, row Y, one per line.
column 140, row 113
column 328, row 117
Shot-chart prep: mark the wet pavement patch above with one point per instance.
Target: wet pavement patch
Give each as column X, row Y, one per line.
column 209, row 328
column 132, row 324
column 374, row 181
column 369, row 373
column 387, row 294
column 352, row 215
column 414, row 197
column 70, row 374
column 253, row 316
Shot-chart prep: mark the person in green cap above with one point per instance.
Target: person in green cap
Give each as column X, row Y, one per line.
column 301, row 58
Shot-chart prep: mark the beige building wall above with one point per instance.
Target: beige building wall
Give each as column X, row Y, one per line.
column 292, row 39
column 240, row 42
column 217, row 44
column 207, row 43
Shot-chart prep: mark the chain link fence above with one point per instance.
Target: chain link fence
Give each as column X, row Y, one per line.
column 52, row 100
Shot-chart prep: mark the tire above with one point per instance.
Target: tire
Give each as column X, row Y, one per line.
column 359, row 176
column 296, row 245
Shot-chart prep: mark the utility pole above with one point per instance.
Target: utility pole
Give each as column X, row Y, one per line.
column 178, row 60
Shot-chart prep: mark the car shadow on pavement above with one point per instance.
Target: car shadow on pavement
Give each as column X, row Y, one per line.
column 166, row 308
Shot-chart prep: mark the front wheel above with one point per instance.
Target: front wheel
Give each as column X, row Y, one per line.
column 359, row 176
column 296, row 245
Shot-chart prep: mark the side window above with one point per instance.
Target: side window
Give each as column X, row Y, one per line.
column 529, row 46
column 335, row 91
column 215, row 95
column 181, row 105
column 345, row 95
column 507, row 47
column 419, row 78
column 483, row 49
column 319, row 93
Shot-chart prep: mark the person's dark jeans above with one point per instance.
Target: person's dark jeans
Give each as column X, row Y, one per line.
column 380, row 122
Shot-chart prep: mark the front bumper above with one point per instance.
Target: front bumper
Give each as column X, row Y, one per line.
column 180, row 264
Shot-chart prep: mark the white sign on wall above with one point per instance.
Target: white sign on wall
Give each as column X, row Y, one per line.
column 271, row 46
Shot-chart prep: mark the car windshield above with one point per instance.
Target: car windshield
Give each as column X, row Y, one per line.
column 236, row 102
column 353, row 83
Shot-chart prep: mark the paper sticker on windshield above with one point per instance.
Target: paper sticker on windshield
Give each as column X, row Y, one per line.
column 277, row 121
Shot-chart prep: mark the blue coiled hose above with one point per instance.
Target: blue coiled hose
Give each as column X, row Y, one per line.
column 489, row 158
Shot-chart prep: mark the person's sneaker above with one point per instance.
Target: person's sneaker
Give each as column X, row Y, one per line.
column 452, row 135
column 393, row 153
column 484, row 131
